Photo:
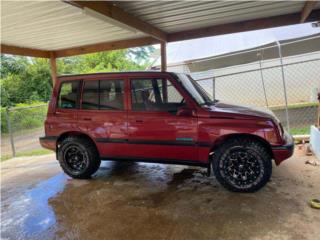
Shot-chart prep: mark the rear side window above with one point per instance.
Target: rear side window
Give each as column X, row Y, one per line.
column 111, row 94
column 90, row 95
column 103, row 95
column 68, row 95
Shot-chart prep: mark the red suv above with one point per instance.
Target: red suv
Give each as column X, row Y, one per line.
column 161, row 117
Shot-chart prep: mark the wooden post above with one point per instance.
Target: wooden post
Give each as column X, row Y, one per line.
column 53, row 67
column 163, row 50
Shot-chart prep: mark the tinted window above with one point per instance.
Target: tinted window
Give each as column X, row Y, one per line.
column 103, row 95
column 68, row 95
column 90, row 95
column 155, row 95
column 111, row 94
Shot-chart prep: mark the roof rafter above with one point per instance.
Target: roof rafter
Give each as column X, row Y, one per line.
column 115, row 13
column 107, row 46
column 6, row 49
column 307, row 9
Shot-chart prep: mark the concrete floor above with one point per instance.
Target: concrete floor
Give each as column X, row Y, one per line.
column 154, row 201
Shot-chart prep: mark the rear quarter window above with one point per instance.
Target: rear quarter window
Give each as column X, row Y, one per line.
column 68, row 95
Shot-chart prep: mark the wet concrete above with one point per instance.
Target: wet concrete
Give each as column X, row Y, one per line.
column 154, row 201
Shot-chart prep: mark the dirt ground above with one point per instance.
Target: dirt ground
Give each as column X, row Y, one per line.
column 154, row 201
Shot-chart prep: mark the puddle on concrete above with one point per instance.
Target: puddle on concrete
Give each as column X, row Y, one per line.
column 146, row 201
column 30, row 213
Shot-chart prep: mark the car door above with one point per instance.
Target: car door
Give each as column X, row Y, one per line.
column 103, row 115
column 155, row 130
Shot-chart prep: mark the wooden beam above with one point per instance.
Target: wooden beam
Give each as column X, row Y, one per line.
column 106, row 46
column 115, row 13
column 235, row 27
column 53, row 68
column 163, row 50
column 307, row 9
column 6, row 49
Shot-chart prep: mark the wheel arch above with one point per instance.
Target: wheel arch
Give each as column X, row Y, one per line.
column 218, row 142
column 76, row 134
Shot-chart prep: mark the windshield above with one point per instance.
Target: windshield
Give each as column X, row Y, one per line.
column 196, row 91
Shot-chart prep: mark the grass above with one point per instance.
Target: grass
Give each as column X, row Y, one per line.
column 35, row 152
column 300, row 131
column 22, row 132
column 294, row 106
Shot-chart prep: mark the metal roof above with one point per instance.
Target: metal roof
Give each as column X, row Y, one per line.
column 173, row 16
column 60, row 25
column 53, row 25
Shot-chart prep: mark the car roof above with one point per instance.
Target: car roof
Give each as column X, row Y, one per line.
column 129, row 73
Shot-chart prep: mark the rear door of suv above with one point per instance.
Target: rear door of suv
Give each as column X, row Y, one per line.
column 103, row 114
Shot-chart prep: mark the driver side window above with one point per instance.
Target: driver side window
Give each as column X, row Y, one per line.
column 155, row 95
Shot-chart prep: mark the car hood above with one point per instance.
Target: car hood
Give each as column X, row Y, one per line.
column 244, row 110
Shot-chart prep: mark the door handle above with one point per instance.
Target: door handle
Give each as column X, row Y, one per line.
column 87, row 119
column 139, row 121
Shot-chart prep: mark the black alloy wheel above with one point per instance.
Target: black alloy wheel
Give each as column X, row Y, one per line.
column 242, row 165
column 78, row 157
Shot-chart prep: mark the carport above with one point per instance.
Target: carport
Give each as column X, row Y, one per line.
column 55, row 29
column 146, row 201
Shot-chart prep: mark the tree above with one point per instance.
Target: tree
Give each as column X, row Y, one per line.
column 33, row 82
column 25, row 79
column 141, row 55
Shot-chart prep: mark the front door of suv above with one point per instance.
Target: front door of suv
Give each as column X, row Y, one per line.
column 155, row 131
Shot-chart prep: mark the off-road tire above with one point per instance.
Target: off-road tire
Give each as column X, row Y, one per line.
column 224, row 162
column 88, row 151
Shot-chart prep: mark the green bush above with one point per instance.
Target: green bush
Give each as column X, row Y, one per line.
column 24, row 116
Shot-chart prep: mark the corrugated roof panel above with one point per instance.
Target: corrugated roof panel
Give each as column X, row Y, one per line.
column 174, row 16
column 55, row 25
column 224, row 18
column 216, row 12
column 160, row 7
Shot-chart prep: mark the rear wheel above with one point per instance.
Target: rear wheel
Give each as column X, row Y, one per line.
column 78, row 157
column 242, row 165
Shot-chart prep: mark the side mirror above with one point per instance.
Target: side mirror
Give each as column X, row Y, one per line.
column 186, row 112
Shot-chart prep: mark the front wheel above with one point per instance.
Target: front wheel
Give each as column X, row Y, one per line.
column 78, row 157
column 242, row 165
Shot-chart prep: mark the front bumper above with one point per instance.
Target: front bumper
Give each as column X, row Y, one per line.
column 283, row 152
column 48, row 142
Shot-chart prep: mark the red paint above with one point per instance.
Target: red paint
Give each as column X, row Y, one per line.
column 207, row 127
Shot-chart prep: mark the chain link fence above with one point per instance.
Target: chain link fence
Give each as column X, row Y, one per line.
column 21, row 128
column 263, row 85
